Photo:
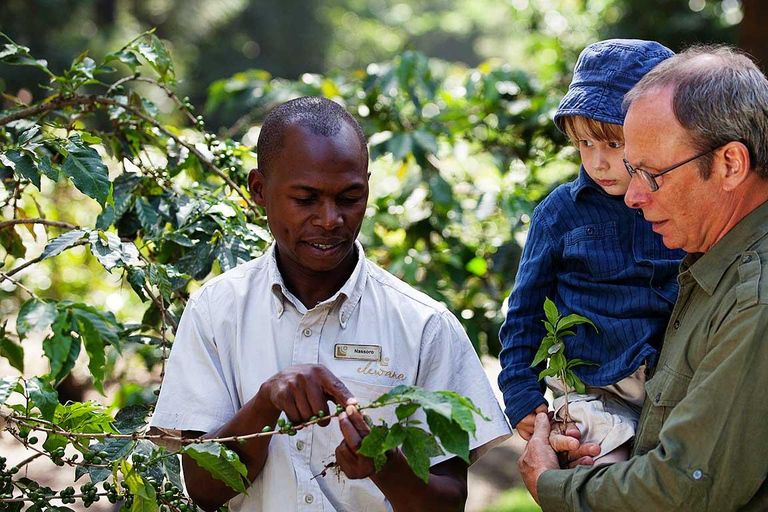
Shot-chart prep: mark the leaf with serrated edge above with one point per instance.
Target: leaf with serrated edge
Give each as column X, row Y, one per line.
column 213, row 458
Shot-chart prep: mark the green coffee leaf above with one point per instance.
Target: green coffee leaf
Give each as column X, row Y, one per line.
column 157, row 56
column 221, row 463
column 63, row 242
column 548, row 372
column 89, row 174
column 144, row 496
column 61, row 348
column 43, row 396
column 147, row 215
column 373, row 445
column 405, row 410
column 13, row 352
column 452, row 436
column 551, row 311
column 94, row 347
column 395, row 437
column 23, row 165
column 9, row 385
column 572, row 320
column 418, row 447
column 46, row 167
column 426, row 140
column 35, row 315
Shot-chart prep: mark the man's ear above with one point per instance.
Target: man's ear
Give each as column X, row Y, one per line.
column 736, row 165
column 256, row 181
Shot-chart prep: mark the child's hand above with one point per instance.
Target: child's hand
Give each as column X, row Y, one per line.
column 525, row 426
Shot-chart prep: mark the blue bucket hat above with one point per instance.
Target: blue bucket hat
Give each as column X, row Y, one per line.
column 604, row 72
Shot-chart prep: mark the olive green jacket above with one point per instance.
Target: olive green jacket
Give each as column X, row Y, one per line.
column 702, row 439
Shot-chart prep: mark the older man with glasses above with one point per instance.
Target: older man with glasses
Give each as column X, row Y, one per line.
column 701, row 441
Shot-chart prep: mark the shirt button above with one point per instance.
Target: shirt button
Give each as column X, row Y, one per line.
column 697, row 474
column 676, row 325
column 657, row 398
column 639, row 213
column 307, row 333
column 309, row 498
column 746, row 259
column 300, row 445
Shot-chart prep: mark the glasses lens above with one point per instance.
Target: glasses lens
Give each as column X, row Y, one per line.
column 648, row 179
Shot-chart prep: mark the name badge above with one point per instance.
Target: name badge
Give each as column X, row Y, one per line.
column 357, row 352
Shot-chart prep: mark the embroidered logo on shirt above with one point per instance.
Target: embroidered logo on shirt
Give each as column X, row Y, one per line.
column 358, row 352
column 368, row 369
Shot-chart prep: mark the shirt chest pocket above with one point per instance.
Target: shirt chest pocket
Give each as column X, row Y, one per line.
column 663, row 392
column 595, row 249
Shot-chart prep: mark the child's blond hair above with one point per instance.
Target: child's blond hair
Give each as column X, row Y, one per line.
column 590, row 129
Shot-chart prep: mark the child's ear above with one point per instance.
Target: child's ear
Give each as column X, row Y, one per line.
column 256, row 181
column 735, row 163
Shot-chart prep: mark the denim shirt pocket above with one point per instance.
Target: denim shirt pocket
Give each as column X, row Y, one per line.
column 663, row 392
column 596, row 248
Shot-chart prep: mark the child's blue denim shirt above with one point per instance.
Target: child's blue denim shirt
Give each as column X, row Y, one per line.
column 594, row 256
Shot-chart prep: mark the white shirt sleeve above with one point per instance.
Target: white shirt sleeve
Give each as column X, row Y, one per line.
column 195, row 394
column 449, row 362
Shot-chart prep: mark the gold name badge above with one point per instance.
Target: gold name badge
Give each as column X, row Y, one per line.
column 357, row 352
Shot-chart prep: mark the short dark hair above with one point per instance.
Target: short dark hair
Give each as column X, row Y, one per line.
column 320, row 115
column 720, row 96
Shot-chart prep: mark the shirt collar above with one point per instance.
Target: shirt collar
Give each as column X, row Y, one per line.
column 708, row 268
column 348, row 296
column 582, row 182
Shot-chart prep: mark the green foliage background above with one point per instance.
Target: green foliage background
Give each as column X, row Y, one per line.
column 129, row 162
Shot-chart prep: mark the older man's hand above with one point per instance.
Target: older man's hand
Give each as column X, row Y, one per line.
column 571, row 452
column 538, row 455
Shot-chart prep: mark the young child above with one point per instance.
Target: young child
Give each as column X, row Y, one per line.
column 594, row 256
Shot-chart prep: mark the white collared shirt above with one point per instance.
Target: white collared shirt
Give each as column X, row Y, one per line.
column 244, row 326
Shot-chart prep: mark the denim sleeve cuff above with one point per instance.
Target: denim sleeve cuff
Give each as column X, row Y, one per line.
column 551, row 488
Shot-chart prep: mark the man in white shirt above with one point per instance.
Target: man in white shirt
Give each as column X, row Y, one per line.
column 311, row 321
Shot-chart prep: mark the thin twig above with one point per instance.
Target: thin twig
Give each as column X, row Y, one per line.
column 39, row 259
column 21, row 499
column 5, row 276
column 57, row 224
column 51, row 428
column 29, row 459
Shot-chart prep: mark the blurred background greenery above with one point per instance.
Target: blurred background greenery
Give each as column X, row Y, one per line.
column 238, row 58
column 456, row 97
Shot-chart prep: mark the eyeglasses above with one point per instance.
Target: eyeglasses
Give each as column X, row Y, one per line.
column 649, row 178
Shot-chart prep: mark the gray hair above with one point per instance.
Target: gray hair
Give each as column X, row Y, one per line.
column 720, row 96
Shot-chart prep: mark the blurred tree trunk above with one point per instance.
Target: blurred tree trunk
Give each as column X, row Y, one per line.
column 753, row 37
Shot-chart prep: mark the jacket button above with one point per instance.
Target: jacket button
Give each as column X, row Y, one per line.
column 746, row 259
column 676, row 325
column 697, row 474
column 657, row 398
column 590, row 231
